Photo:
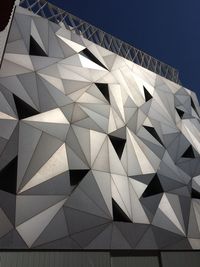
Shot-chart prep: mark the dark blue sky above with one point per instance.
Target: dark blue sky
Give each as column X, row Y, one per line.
column 166, row 29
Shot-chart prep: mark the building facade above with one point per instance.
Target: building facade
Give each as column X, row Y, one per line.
column 99, row 142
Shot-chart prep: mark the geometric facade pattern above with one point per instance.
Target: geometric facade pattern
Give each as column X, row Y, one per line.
column 96, row 152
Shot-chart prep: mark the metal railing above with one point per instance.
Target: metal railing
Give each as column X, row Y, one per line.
column 83, row 28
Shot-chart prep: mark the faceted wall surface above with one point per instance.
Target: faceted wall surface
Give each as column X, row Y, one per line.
column 96, row 152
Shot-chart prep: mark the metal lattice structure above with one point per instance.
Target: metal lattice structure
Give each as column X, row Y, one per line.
column 95, row 35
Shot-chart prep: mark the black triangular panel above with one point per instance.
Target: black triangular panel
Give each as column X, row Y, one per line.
column 91, row 57
column 189, row 153
column 76, row 176
column 153, row 188
column 180, row 113
column 23, row 109
column 35, row 49
column 195, row 194
column 118, row 214
column 8, row 177
column 118, row 144
column 103, row 87
column 147, row 95
column 153, row 132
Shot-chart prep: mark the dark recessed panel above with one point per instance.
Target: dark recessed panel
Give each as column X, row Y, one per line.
column 147, row 95
column 91, row 57
column 23, row 109
column 103, row 87
column 118, row 144
column 180, row 113
column 195, row 194
column 35, row 49
column 8, row 177
column 76, row 176
column 153, row 188
column 189, row 153
column 153, row 132
column 118, row 213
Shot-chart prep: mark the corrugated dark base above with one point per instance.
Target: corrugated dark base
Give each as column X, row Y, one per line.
column 116, row 258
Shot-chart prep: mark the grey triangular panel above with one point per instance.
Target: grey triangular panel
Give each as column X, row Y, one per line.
column 118, row 240
column 5, row 224
column 24, row 24
column 132, row 232
column 46, row 100
column 8, row 204
column 148, row 240
column 85, row 237
column 95, row 194
column 6, row 242
column 25, row 209
column 87, row 220
column 58, row 185
column 103, row 240
column 40, row 155
column 28, row 81
column 164, row 238
column 10, row 150
column 80, row 201
column 50, row 234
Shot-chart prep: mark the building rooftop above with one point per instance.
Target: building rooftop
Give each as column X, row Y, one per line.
column 96, row 35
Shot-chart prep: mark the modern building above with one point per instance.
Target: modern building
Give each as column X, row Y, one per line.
column 99, row 148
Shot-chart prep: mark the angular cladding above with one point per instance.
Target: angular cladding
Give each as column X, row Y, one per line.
column 96, row 152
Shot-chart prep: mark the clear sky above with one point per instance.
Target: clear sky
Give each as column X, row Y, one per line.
column 166, row 29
